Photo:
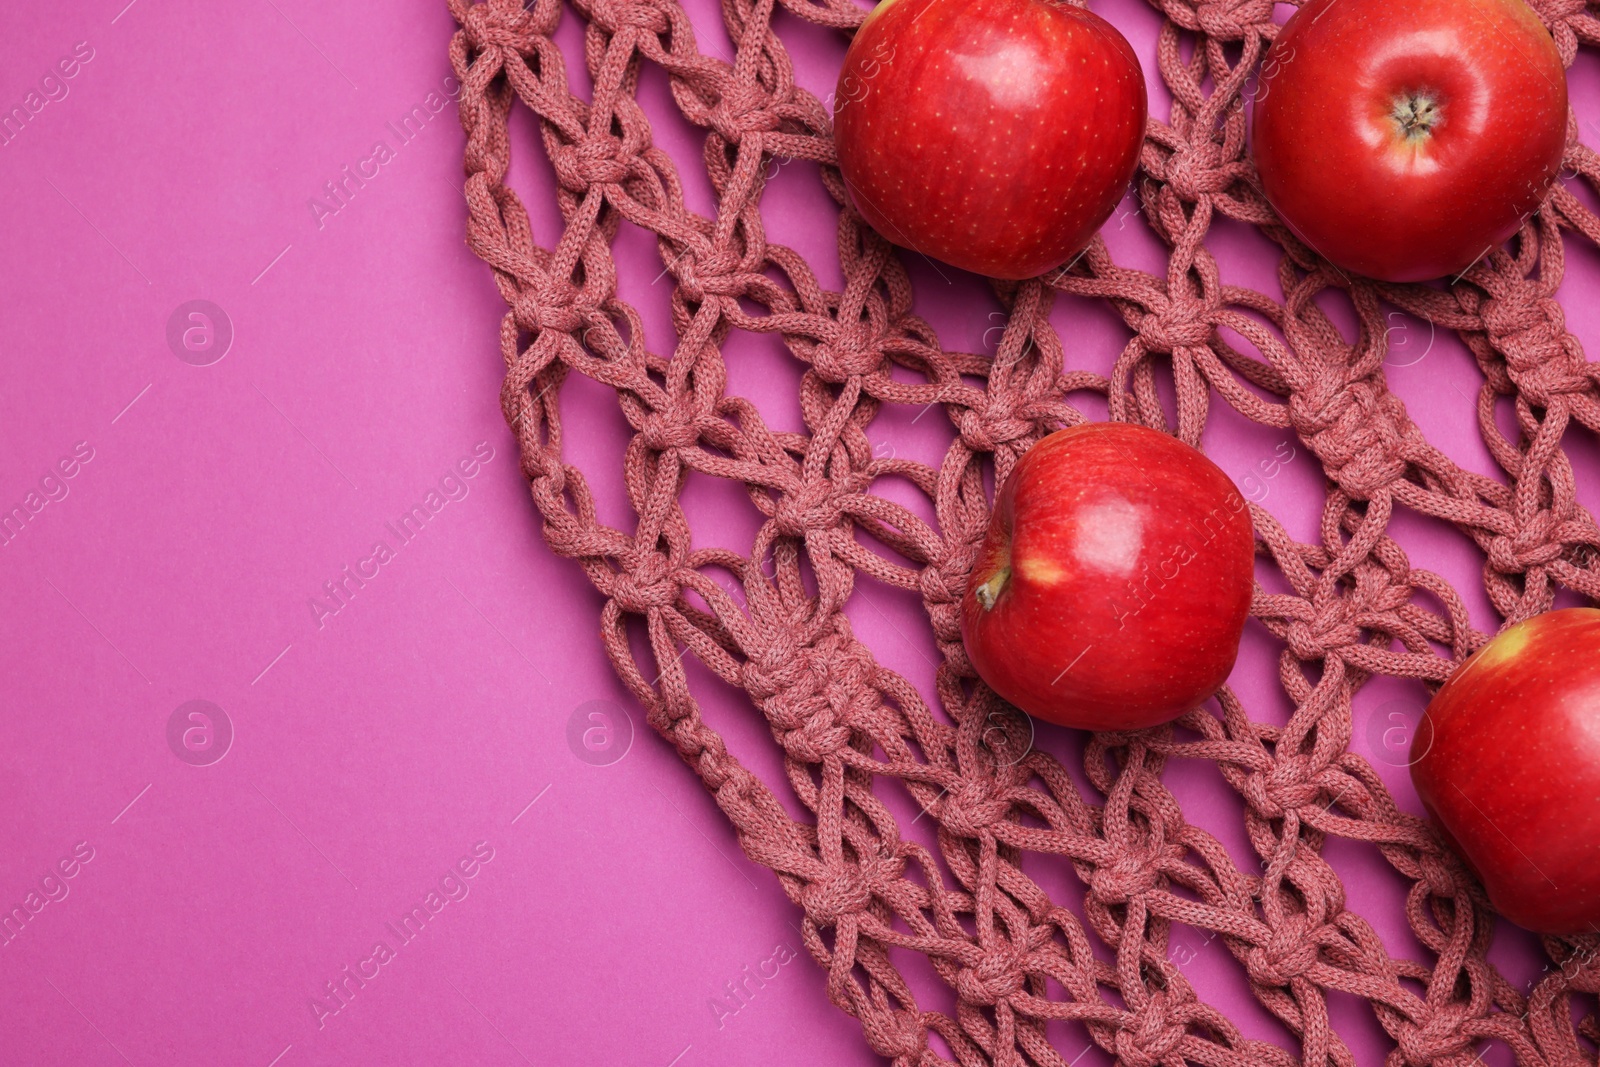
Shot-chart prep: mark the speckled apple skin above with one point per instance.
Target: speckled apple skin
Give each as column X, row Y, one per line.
column 1333, row 166
column 1507, row 761
column 996, row 135
column 1131, row 559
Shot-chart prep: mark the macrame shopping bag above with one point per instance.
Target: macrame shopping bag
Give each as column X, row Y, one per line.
column 852, row 730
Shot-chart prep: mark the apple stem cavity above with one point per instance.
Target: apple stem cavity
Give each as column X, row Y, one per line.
column 989, row 591
column 1415, row 114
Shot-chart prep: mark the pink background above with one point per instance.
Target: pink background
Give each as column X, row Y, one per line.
column 376, row 747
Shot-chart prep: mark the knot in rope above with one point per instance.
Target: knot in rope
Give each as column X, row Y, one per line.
column 556, row 307
column 1232, row 20
column 595, row 160
column 996, row 977
column 1130, row 875
column 1532, row 334
column 1438, row 1039
column 1198, row 169
column 661, row 431
column 643, row 585
column 946, row 582
column 994, row 423
column 897, row 1035
column 615, row 15
column 1327, row 630
column 816, row 695
column 848, row 354
column 1148, row 1036
column 498, row 24
column 1283, row 786
column 763, row 672
column 1356, row 434
column 1289, row 951
column 972, row 807
column 808, row 508
column 1182, row 323
column 1534, row 544
column 743, row 108
column 700, row 274
column 840, row 891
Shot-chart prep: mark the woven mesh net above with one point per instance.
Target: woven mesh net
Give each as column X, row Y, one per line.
column 1009, row 959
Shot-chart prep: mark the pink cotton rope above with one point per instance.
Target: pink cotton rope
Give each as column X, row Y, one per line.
column 851, row 730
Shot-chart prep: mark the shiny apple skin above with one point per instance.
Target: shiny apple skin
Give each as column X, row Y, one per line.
column 1507, row 762
column 996, row 135
column 1131, row 563
column 1336, row 170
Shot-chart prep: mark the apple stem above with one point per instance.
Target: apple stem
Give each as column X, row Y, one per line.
column 989, row 591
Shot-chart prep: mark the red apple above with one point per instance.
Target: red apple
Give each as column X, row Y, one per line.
column 1403, row 139
column 996, row 135
column 1507, row 761
column 1113, row 585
